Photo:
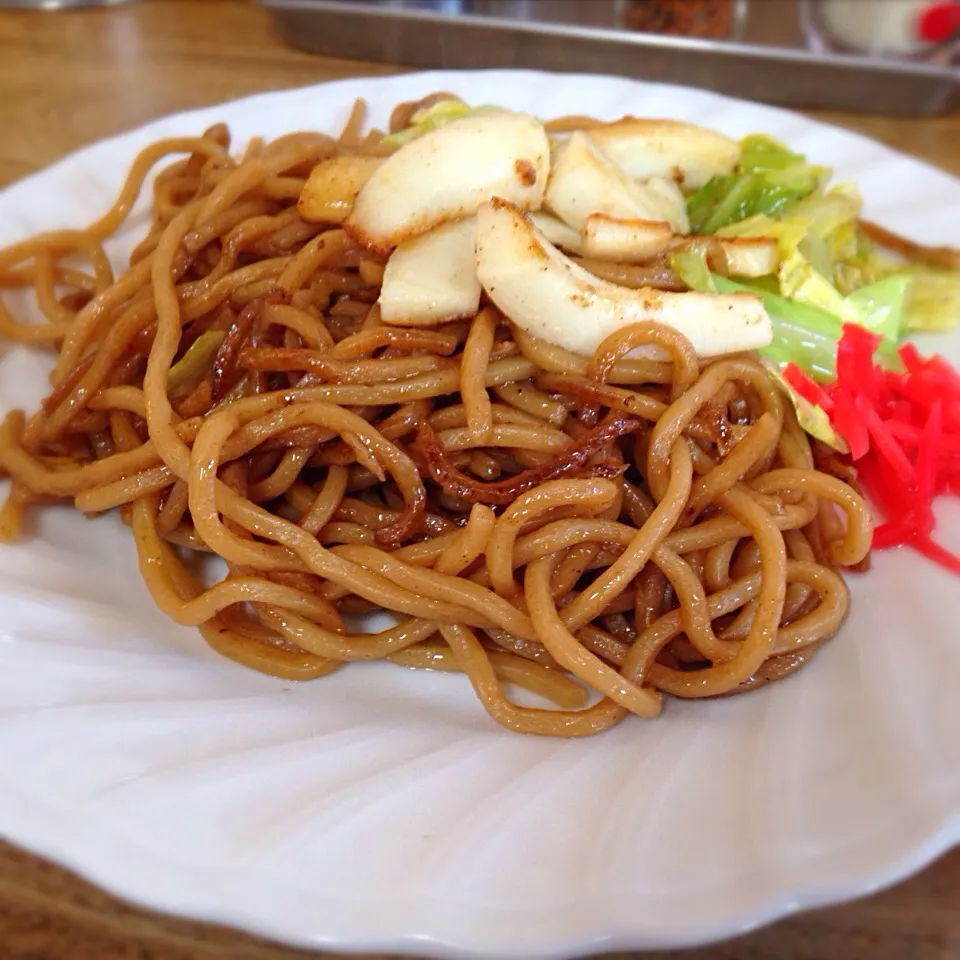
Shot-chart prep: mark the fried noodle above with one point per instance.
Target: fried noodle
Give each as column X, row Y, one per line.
column 598, row 531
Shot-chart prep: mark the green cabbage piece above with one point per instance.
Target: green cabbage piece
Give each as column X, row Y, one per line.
column 933, row 298
column 879, row 306
column 882, row 306
column 816, row 240
column 732, row 197
column 933, row 301
column 193, row 366
column 811, row 416
column 690, row 265
column 822, row 226
column 430, row 118
column 827, row 263
column 788, row 232
column 803, row 333
column 758, row 151
column 769, row 180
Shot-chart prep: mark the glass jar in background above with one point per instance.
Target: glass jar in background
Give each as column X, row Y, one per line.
column 695, row 19
column 914, row 29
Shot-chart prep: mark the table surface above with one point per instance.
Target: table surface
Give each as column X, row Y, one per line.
column 71, row 78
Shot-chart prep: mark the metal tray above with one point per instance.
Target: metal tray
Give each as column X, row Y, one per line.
column 767, row 64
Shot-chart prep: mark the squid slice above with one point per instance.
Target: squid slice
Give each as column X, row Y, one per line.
column 432, row 278
column 447, row 173
column 547, row 294
column 684, row 152
column 584, row 181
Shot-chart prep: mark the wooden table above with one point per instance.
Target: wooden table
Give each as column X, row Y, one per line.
column 70, row 78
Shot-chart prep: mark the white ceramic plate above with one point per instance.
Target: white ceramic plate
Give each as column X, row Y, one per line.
column 382, row 810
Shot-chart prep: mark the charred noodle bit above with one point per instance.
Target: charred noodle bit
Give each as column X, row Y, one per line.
column 627, row 525
column 572, row 461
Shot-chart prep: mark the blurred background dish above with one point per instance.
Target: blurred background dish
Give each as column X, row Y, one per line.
column 767, row 50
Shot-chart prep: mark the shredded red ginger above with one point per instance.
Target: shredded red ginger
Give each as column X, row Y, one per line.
column 903, row 430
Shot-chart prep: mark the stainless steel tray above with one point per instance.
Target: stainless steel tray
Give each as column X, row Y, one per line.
column 767, row 64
